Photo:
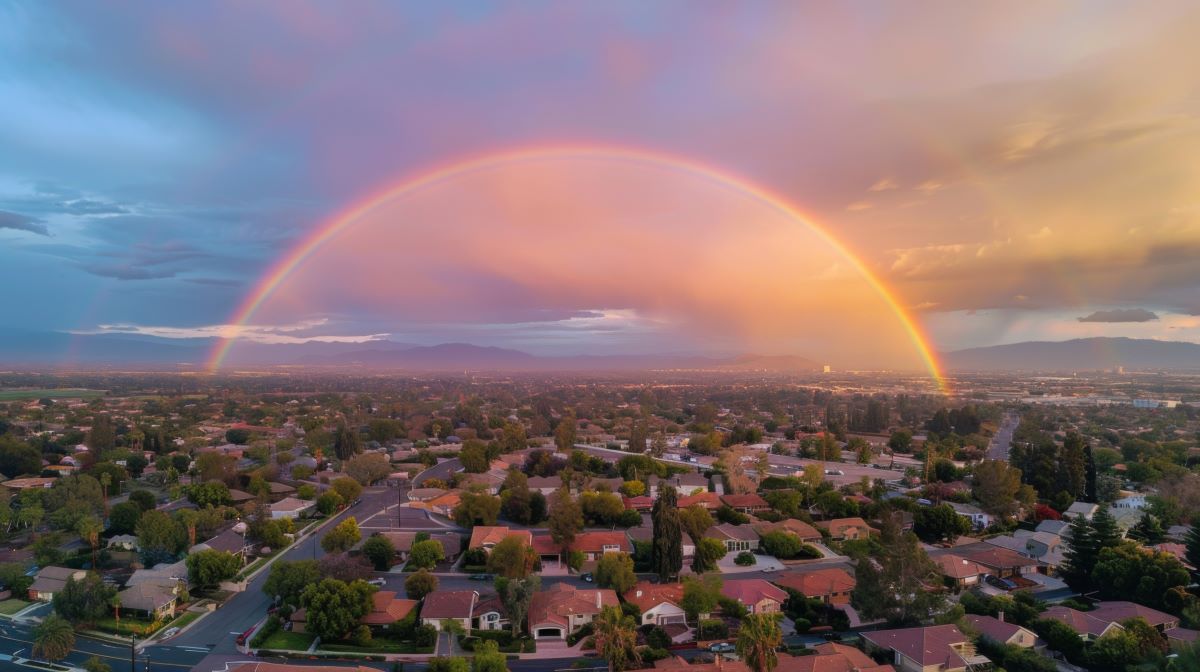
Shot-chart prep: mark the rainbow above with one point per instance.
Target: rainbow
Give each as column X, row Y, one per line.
column 280, row 271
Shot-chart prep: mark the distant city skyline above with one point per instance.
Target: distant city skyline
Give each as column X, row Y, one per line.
column 830, row 181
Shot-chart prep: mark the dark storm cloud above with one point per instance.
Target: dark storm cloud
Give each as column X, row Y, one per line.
column 1120, row 315
column 19, row 222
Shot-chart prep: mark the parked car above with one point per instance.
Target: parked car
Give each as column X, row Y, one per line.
column 377, row 582
column 241, row 639
column 588, row 577
column 480, row 577
column 722, row 647
column 997, row 582
column 834, row 472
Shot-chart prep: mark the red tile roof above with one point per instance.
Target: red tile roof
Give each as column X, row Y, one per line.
column 385, row 608
column 594, row 542
column 557, row 603
column 752, row 591
column 646, row 595
column 933, row 645
column 817, row 582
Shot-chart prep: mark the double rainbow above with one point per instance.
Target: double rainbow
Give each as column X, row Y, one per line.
column 296, row 256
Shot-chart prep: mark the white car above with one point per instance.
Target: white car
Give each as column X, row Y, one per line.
column 377, row 582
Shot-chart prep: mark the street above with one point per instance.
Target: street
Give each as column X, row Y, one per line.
column 1000, row 444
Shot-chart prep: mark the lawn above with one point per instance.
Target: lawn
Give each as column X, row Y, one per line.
column 187, row 617
column 377, row 645
column 10, row 607
column 290, row 641
column 67, row 393
column 128, row 626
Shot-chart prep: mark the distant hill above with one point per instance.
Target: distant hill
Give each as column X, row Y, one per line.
column 1081, row 354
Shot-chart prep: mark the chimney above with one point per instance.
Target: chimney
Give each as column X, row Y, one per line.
column 1000, row 616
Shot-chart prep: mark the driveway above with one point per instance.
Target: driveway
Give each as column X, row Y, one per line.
column 763, row 563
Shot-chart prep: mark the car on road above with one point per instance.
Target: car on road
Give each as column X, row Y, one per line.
column 241, row 639
column 169, row 632
column 722, row 647
column 480, row 577
column 997, row 582
column 834, row 472
column 377, row 582
column 587, row 577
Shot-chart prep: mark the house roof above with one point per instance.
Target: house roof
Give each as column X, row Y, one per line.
column 490, row 535
column 726, row 531
column 645, row 595
column 149, row 596
column 449, row 604
column 556, row 604
column 798, row 528
column 291, row 504
column 999, row 558
column 675, row 663
column 840, row 524
column 933, row 645
column 709, row 500
column 228, row 541
column 280, row 488
column 1119, row 610
column 52, row 579
column 1182, row 635
column 745, row 501
column 832, row 657
column 385, row 608
column 544, row 544
column 594, row 542
column 817, row 582
column 752, row 591
column 958, row 567
column 424, row 494
column 642, row 502
column 990, row 626
column 1081, row 622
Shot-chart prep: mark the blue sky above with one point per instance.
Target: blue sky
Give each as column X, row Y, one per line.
column 1007, row 168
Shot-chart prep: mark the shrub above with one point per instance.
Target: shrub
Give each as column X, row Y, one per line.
column 803, row 625
column 712, row 629
column 657, row 638
column 744, row 559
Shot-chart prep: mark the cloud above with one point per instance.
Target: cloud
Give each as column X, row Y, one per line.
column 278, row 334
column 127, row 271
column 18, row 222
column 1120, row 315
column 884, row 184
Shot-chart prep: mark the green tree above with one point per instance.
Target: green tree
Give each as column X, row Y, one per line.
column 695, row 520
column 18, row 458
column 1148, row 530
column 708, row 552
column 1104, row 529
column 448, row 664
column 84, row 602
column 288, row 579
column 996, row 486
column 89, row 528
column 419, row 584
column 208, row 568
column 488, row 658
column 1129, row 572
column 346, row 443
column 512, row 558
column 474, row 456
column 759, row 636
column 1072, row 472
column 700, row 595
column 564, row 433
column 328, row 502
column 782, row 545
column 666, row 557
column 477, row 507
column 517, row 595
column 566, row 517
column 896, row 589
column 939, row 523
column 145, row 499
column 335, row 607
column 381, row 552
column 94, row 664
column 615, row 636
column 426, row 553
column 342, row 537
column 1059, row 637
column 212, row 493
column 1192, row 541
column 53, row 638
column 615, row 570
column 160, row 538
column 516, row 499
column 103, row 435
column 347, row 488
column 368, row 468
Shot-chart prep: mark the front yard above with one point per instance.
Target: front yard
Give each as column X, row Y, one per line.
column 288, row 641
column 10, row 607
column 129, row 625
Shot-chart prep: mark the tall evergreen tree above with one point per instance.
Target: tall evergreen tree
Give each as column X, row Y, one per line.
column 1105, row 530
column 1089, row 486
column 1073, row 465
column 666, row 557
column 345, row 442
column 1193, row 545
column 1080, row 556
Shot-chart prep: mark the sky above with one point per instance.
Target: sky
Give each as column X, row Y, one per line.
column 1008, row 171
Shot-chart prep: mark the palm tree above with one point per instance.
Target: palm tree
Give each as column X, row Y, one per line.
column 89, row 528
column 105, row 481
column 53, row 638
column 758, row 638
column 116, row 605
column 615, row 637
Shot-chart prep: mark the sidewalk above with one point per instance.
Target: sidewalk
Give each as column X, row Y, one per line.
column 554, row 648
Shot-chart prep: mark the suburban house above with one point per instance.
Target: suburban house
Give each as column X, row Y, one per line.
column 1000, row 561
column 489, row 614
column 831, row 657
column 937, row 648
column 444, row 504
column 832, row 585
column 123, row 542
column 386, row 609
column 642, row 503
column 757, row 595
column 563, row 609
column 802, row 530
column 156, row 599
column 449, row 605
column 678, row 664
column 688, row 483
column 162, row 572
column 403, row 540
column 747, row 503
column 1119, row 610
column 958, row 571
column 423, row 495
column 50, row 580
column 1181, row 638
column 707, row 500
column 1085, row 509
column 487, row 536
column 594, row 545
column 1088, row 627
column 978, row 517
column 735, row 537
column 658, row 602
column 290, row 507
column 546, row 485
column 1002, row 632
column 846, row 529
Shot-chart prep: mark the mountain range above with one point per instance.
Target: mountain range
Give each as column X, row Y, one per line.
column 1080, row 354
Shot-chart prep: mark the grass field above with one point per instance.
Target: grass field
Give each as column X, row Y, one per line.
column 10, row 607
column 65, row 393
column 291, row 641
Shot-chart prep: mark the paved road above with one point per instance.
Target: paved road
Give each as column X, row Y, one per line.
column 1000, row 444
column 443, row 470
column 16, row 639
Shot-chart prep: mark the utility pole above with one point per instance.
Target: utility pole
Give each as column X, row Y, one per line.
column 132, row 654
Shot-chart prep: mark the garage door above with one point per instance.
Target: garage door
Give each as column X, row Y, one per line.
column 549, row 632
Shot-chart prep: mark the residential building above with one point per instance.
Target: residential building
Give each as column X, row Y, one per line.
column 1084, row 509
column 958, row 571
column 155, row 599
column 449, row 605
column 1088, row 627
column 1120, row 610
column 487, row 536
column 798, row 528
column 757, row 595
column 658, row 602
column 830, row 585
column 999, row 561
column 594, row 545
column 736, row 538
column 489, row 614
column 747, row 503
column 978, row 517
column 290, row 507
column 50, row 580
column 386, row 609
column 831, row 657
column 938, row 648
column 846, row 529
column 563, row 609
column 1002, row 631
column 708, row 500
